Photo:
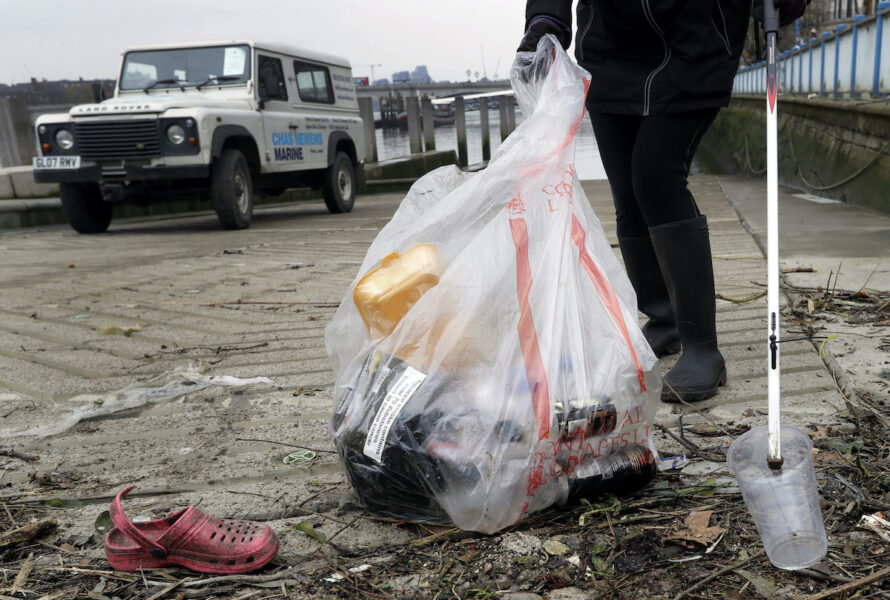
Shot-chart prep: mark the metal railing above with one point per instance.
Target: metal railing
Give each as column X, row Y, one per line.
column 420, row 117
column 853, row 61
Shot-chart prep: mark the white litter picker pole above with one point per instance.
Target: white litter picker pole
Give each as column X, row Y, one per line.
column 771, row 28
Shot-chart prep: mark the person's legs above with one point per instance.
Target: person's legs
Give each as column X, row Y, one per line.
column 662, row 157
column 616, row 136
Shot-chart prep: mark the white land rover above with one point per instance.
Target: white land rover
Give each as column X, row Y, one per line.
column 223, row 120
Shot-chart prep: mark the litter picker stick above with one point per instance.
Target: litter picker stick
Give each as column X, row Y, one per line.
column 771, row 28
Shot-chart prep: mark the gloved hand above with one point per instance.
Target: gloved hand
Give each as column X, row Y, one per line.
column 789, row 10
column 541, row 26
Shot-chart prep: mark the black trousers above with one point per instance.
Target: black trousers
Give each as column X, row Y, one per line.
column 647, row 161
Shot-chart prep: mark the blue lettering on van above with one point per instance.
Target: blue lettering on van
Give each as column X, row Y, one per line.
column 290, row 138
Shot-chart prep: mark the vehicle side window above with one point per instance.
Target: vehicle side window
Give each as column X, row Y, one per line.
column 270, row 80
column 313, row 83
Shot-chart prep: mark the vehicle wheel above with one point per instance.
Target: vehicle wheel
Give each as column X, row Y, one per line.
column 338, row 185
column 84, row 207
column 231, row 190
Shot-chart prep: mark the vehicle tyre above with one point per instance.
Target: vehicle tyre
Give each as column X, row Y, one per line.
column 231, row 190
column 84, row 207
column 338, row 184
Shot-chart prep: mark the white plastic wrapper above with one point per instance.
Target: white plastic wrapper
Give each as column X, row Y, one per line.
column 513, row 375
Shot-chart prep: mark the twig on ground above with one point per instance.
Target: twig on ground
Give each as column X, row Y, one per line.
column 717, row 574
column 740, row 300
column 690, row 446
column 21, row 579
column 168, row 589
column 876, row 576
column 27, row 532
column 19, row 455
column 285, row 444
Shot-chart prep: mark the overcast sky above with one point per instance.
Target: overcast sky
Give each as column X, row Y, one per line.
column 66, row 39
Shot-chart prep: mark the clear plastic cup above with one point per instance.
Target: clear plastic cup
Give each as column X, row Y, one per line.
column 784, row 502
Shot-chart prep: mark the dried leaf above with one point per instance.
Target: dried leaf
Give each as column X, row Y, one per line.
column 103, row 522
column 307, row 528
column 698, row 530
column 764, row 587
column 704, row 430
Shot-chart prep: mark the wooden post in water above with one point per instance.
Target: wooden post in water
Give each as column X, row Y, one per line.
column 414, row 125
column 429, row 135
column 486, row 133
column 366, row 110
column 460, row 119
column 502, row 114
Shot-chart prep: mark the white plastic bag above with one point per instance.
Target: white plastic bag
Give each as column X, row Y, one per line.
column 496, row 366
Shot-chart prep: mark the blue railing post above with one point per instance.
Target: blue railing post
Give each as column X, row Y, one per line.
column 799, row 69
column 789, row 58
column 837, row 56
column 783, row 62
column 879, row 40
column 825, row 36
column 856, row 20
column 812, row 51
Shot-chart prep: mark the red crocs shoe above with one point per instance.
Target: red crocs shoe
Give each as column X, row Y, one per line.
column 188, row 538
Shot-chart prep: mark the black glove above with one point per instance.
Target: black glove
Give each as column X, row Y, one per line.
column 538, row 28
column 789, row 10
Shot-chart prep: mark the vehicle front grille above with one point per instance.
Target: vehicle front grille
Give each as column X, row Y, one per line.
column 99, row 140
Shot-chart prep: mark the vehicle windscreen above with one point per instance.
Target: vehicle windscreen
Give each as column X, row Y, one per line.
column 216, row 65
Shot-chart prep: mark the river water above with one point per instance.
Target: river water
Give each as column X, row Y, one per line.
column 392, row 143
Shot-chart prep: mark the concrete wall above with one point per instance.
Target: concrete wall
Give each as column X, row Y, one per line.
column 16, row 136
column 837, row 149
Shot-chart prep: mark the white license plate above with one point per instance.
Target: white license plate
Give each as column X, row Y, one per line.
column 56, row 162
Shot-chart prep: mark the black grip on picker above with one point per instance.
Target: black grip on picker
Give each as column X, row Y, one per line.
column 770, row 17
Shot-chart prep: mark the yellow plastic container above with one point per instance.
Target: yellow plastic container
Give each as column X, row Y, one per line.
column 383, row 296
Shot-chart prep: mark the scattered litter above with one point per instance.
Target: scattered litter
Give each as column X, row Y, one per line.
column 236, row 251
column 115, row 330
column 878, row 522
column 300, row 266
column 670, row 463
column 298, row 457
column 163, row 388
column 714, row 545
column 81, row 316
column 193, row 291
column 334, row 578
column 698, row 530
column 685, row 559
column 359, row 569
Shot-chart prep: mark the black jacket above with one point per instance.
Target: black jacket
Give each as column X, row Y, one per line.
column 649, row 57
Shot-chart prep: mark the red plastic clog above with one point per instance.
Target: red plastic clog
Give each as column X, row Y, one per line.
column 188, row 538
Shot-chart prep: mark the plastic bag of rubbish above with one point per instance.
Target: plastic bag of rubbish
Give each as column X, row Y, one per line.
column 488, row 358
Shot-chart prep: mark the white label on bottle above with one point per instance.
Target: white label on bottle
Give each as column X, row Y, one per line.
column 392, row 405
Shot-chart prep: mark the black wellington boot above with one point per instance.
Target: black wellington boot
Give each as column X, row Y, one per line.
column 684, row 253
column 652, row 295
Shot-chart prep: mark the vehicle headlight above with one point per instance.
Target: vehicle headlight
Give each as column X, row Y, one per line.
column 64, row 139
column 176, row 134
